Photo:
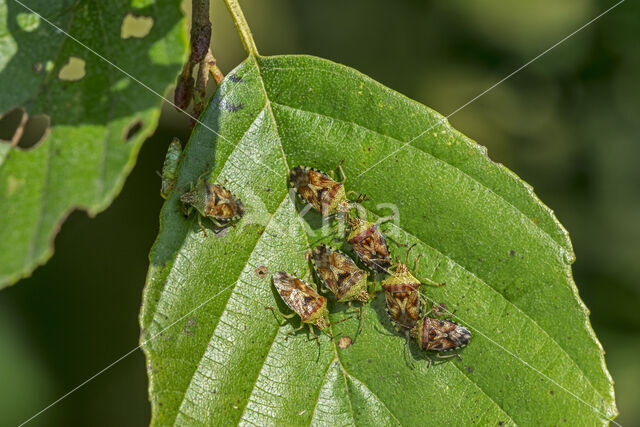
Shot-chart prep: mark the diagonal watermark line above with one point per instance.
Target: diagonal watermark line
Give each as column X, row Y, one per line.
column 224, row 139
column 115, row 362
column 158, row 94
column 516, row 71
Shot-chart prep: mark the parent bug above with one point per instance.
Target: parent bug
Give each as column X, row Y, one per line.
column 402, row 293
column 440, row 335
column 170, row 167
column 403, row 298
column 341, row 275
column 302, row 299
column 213, row 201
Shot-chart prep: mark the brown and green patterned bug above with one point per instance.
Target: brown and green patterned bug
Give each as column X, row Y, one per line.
column 325, row 194
column 212, row 201
column 403, row 298
column 170, row 167
column 369, row 243
column 302, row 299
column 440, row 335
column 402, row 294
column 341, row 275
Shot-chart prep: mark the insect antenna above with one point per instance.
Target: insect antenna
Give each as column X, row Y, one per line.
column 406, row 259
column 409, row 351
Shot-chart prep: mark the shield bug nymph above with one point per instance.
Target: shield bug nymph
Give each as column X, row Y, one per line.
column 302, row 299
column 440, row 335
column 341, row 275
column 402, row 295
column 325, row 194
column 170, row 167
column 369, row 243
column 213, row 201
column 403, row 298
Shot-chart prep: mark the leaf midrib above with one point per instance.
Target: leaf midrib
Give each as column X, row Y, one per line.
column 306, row 238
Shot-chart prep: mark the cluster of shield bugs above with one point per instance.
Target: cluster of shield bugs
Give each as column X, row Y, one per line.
column 335, row 269
column 342, row 276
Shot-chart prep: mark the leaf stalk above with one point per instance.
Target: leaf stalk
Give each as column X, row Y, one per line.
column 243, row 27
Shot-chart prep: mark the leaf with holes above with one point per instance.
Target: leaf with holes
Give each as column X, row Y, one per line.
column 215, row 355
column 79, row 121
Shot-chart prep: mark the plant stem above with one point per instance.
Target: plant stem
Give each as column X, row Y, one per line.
column 243, row 27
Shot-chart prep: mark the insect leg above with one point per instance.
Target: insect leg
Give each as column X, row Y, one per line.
column 431, row 282
column 277, row 312
column 362, row 314
column 439, row 310
column 202, row 228
column 344, row 176
column 409, row 351
column 340, row 321
column 449, row 356
column 294, row 330
column 315, row 335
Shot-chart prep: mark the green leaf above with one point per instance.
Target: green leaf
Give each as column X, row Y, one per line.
column 215, row 355
column 94, row 137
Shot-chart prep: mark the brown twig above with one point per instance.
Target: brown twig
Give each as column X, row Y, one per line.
column 187, row 88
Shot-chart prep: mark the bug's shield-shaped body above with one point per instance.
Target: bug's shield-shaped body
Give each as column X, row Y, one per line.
column 340, row 274
column 369, row 243
column 440, row 335
column 403, row 298
column 170, row 167
column 213, row 201
column 318, row 189
column 301, row 298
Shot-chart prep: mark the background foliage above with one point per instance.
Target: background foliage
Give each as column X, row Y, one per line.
column 93, row 117
column 566, row 124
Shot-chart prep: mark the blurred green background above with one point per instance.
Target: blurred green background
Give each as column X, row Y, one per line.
column 567, row 124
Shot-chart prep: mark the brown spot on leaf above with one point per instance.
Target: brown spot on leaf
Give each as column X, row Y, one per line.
column 262, row 271
column 191, row 326
column 344, row 342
